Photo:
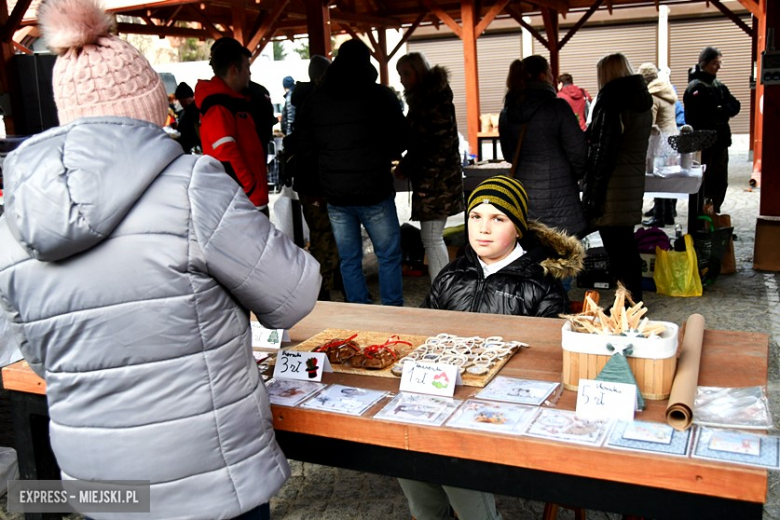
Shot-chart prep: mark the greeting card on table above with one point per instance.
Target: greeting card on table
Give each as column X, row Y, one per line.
column 514, row 390
column 563, row 425
column 649, row 437
column 737, row 447
column 267, row 338
column 344, row 399
column 430, row 378
column 288, row 392
column 492, row 416
column 418, row 408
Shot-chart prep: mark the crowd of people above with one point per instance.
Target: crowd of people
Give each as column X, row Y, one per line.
column 123, row 262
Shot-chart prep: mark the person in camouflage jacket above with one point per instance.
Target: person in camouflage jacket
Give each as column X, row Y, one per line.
column 432, row 162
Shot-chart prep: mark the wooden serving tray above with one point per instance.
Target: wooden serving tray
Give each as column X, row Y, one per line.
column 367, row 338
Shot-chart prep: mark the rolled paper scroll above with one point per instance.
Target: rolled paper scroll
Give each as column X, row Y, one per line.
column 679, row 413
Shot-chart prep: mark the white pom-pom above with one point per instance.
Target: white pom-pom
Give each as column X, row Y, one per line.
column 69, row 24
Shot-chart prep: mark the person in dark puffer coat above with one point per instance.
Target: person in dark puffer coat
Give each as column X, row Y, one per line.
column 614, row 182
column 510, row 267
column 432, row 162
column 553, row 151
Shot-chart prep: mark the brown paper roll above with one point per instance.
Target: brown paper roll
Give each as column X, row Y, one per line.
column 679, row 413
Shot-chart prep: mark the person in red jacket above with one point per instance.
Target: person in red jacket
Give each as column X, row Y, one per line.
column 578, row 98
column 227, row 130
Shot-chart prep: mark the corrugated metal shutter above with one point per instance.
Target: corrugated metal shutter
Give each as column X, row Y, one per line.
column 687, row 39
column 495, row 54
column 580, row 54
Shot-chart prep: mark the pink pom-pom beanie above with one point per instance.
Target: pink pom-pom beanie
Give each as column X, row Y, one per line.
column 96, row 73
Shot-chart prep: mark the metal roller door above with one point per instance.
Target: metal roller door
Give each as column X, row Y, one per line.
column 580, row 55
column 686, row 40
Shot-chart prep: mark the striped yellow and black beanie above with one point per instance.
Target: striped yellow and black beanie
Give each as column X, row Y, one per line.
column 508, row 195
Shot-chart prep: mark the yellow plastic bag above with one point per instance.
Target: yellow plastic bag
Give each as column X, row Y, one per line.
column 677, row 274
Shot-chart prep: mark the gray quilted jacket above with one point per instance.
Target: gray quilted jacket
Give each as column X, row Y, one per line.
column 126, row 273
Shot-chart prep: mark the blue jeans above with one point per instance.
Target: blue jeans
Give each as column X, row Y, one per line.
column 381, row 223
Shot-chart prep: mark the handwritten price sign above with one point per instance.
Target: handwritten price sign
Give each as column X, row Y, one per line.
column 305, row 366
column 430, row 378
column 606, row 400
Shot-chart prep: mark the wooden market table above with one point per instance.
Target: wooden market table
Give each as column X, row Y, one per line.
column 654, row 486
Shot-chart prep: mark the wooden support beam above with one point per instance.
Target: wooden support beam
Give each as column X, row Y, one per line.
column 366, row 19
column 576, row 27
column 209, row 27
column 562, row 6
column 407, row 34
column 11, row 24
column 148, row 20
column 444, row 17
column 518, row 17
column 153, row 5
column 161, row 30
column 490, row 16
column 318, row 25
column 266, row 30
column 734, row 18
column 384, row 66
column 172, row 18
column 22, row 48
column 239, row 19
column 550, row 18
column 753, row 7
column 471, row 70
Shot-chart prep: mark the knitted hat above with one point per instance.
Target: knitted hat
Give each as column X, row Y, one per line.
column 288, row 82
column 183, row 91
column 318, row 65
column 506, row 194
column 96, row 73
column 648, row 71
column 708, row 54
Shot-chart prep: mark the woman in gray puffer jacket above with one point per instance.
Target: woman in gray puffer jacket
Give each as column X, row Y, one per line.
column 127, row 273
column 552, row 152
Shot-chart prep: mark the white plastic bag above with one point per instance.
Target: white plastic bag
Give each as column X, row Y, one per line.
column 282, row 214
column 9, row 468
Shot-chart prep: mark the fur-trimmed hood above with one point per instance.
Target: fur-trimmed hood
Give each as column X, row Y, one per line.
column 569, row 254
column 434, row 84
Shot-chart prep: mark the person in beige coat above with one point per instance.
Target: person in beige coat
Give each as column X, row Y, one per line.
column 664, row 99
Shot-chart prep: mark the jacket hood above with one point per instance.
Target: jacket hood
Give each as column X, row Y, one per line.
column 547, row 252
column 573, row 92
column 663, row 90
column 207, row 87
column 68, row 188
column 536, row 94
column 433, row 84
column 627, row 93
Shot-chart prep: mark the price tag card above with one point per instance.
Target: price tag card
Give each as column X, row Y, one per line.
column 306, row 366
column 606, row 400
column 430, row 378
column 267, row 338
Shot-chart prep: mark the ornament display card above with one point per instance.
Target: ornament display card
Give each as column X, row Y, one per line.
column 418, row 409
column 563, row 425
column 649, row 437
column 492, row 416
column 737, row 447
column 289, row 392
column 348, row 400
column 514, row 390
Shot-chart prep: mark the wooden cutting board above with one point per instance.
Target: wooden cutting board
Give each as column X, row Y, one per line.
column 368, row 338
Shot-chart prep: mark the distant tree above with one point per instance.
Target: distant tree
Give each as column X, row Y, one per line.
column 303, row 49
column 192, row 49
column 279, row 52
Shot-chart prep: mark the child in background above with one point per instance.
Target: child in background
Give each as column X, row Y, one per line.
column 510, row 267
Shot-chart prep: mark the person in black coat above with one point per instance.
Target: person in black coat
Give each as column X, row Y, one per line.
column 510, row 267
column 355, row 128
column 708, row 106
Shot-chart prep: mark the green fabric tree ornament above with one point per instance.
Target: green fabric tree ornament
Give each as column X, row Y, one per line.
column 617, row 370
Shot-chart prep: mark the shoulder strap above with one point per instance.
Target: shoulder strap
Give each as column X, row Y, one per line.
column 233, row 104
column 516, row 160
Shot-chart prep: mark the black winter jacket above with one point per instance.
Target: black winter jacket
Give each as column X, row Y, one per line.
column 552, row 155
column 709, row 105
column 356, row 128
column 529, row 286
column 614, row 182
column 433, row 162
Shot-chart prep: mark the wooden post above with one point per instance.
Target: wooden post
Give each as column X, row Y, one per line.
column 318, row 23
column 770, row 169
column 757, row 116
column 384, row 71
column 550, row 18
column 469, row 37
column 239, row 18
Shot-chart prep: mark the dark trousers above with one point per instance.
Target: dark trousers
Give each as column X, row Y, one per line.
column 624, row 259
column 322, row 246
column 716, row 175
column 261, row 512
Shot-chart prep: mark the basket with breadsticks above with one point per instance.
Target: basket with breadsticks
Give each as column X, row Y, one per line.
column 590, row 337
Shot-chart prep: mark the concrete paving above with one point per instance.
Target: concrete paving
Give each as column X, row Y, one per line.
column 747, row 300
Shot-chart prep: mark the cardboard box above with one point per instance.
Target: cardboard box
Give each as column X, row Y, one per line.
column 766, row 255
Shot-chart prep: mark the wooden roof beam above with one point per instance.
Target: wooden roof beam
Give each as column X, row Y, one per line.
column 734, row 18
column 161, row 30
column 518, row 17
column 407, row 34
column 238, row 14
column 266, row 30
column 172, row 19
column 443, row 16
column 22, row 48
column 562, row 6
column 155, row 5
column 585, row 17
column 14, row 20
column 490, row 16
column 209, row 27
column 752, row 6
column 367, row 19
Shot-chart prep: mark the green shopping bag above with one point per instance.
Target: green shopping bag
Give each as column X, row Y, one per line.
column 677, row 273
